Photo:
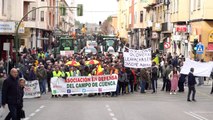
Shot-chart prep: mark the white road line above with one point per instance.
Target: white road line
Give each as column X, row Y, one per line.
column 114, row 118
column 207, row 112
column 195, row 116
column 37, row 110
column 26, row 118
column 32, row 114
column 42, row 106
column 109, row 109
column 199, row 116
column 112, row 114
column 107, row 106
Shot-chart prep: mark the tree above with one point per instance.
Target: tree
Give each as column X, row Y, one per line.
column 106, row 26
column 78, row 23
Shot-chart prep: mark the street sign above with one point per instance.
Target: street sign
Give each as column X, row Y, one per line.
column 167, row 45
column 199, row 48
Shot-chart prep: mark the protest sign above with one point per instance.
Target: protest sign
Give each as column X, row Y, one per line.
column 138, row 58
column 201, row 69
column 31, row 89
column 84, row 84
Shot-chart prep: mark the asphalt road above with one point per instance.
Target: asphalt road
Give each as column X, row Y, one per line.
column 159, row 106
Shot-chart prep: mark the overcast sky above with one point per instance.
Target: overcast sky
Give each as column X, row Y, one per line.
column 109, row 6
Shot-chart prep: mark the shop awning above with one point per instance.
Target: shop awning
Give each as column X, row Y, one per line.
column 210, row 47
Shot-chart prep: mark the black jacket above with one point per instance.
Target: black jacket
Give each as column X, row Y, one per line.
column 191, row 79
column 10, row 91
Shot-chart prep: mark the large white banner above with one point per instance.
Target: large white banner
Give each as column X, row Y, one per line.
column 138, row 58
column 84, row 84
column 202, row 69
column 32, row 89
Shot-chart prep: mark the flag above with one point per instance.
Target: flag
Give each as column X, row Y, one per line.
column 99, row 70
column 156, row 60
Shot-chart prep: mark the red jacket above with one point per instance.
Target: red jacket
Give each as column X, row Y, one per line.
column 134, row 74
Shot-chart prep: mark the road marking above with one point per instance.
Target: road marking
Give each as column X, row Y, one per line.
column 107, row 106
column 114, row 118
column 199, row 116
column 42, row 106
column 196, row 116
column 26, row 118
column 32, row 114
column 109, row 109
column 207, row 112
column 112, row 114
column 37, row 110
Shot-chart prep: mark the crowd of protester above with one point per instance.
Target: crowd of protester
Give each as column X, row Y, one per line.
column 41, row 66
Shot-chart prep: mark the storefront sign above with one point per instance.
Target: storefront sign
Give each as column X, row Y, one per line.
column 7, row 27
column 138, row 58
column 181, row 28
column 84, row 84
column 21, row 28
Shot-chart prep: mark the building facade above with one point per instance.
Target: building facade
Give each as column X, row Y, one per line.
column 9, row 17
column 177, row 23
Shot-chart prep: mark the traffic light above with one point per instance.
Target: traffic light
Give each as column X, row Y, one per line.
column 195, row 45
column 79, row 10
column 63, row 10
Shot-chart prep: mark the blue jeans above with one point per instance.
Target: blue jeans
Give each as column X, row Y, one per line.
column 42, row 84
column 142, row 84
column 154, row 85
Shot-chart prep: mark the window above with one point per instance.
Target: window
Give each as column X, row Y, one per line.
column 198, row 4
column 34, row 14
column 141, row 16
column 42, row 15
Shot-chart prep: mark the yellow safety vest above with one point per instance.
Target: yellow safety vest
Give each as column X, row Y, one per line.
column 62, row 74
column 42, row 55
column 39, row 55
column 59, row 74
column 71, row 73
column 68, row 74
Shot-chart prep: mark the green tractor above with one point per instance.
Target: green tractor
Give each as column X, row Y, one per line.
column 66, row 45
column 108, row 43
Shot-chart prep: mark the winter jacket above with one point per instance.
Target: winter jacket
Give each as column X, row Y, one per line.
column 10, row 91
